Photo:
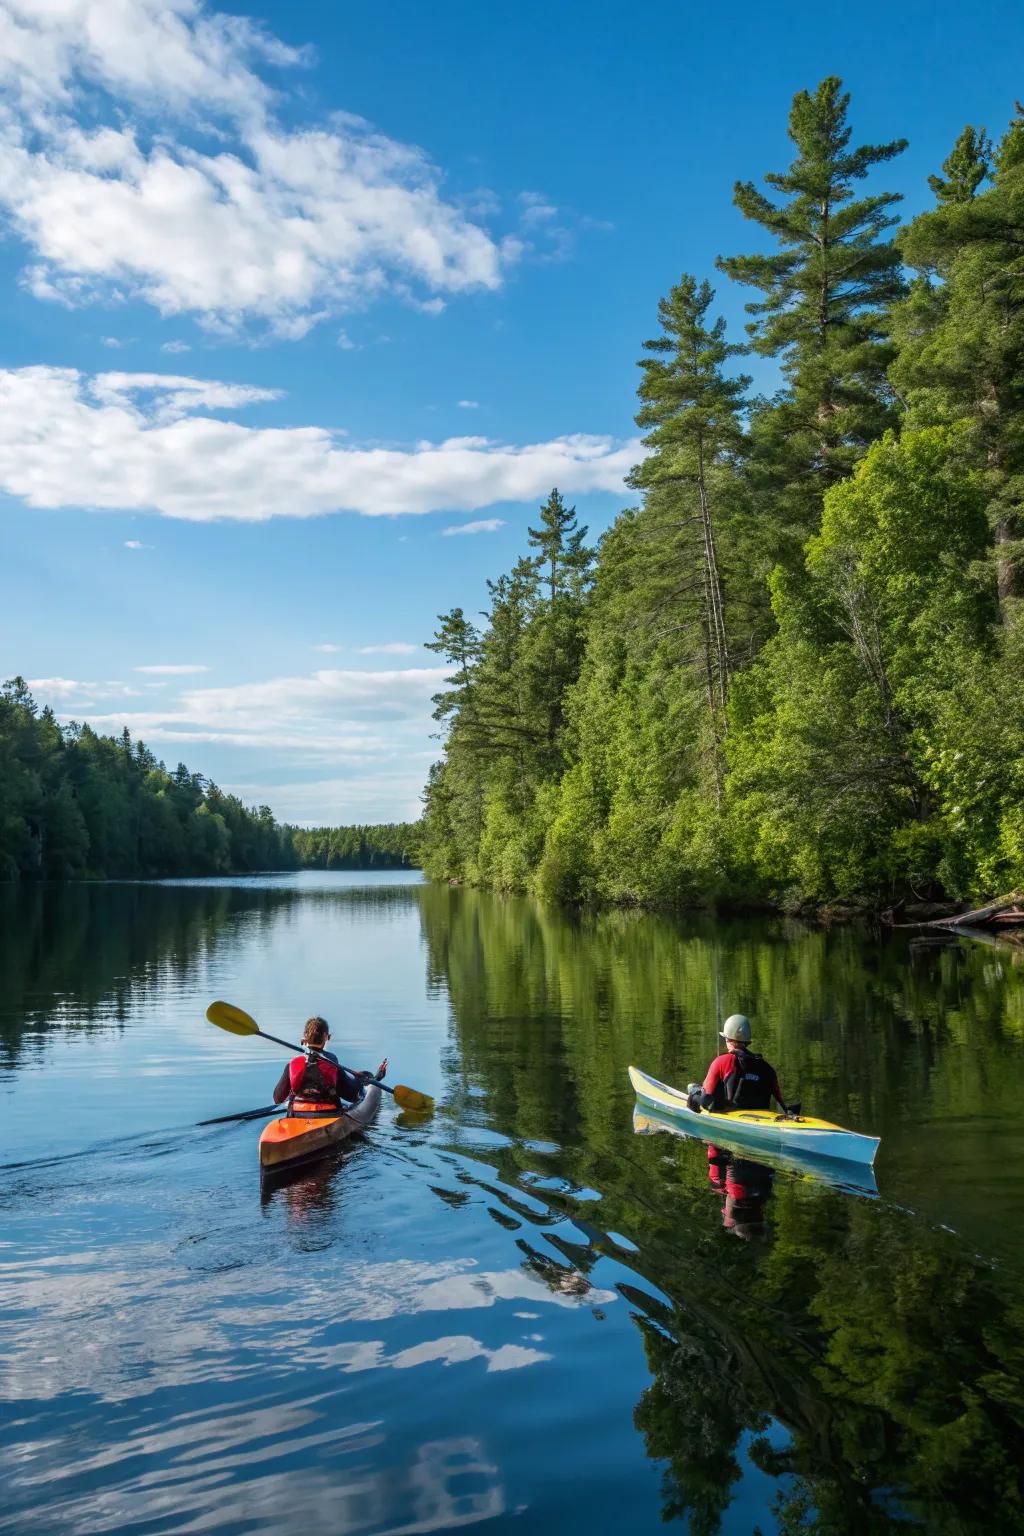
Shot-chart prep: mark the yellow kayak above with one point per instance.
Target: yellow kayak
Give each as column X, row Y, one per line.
column 758, row 1127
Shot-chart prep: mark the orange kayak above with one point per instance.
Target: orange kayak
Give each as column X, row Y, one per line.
column 308, row 1133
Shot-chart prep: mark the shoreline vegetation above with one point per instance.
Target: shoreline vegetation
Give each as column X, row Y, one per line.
column 790, row 674
column 77, row 805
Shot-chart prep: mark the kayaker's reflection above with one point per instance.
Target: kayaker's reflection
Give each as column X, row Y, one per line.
column 307, row 1192
column 746, row 1188
column 317, row 1080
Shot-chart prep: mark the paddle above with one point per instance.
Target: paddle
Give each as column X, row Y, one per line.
column 237, row 1022
column 245, row 1114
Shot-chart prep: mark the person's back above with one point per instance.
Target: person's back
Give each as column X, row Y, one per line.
column 739, row 1078
column 316, row 1078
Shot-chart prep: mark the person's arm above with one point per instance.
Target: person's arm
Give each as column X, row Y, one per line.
column 349, row 1085
column 284, row 1086
column 777, row 1093
column 715, row 1074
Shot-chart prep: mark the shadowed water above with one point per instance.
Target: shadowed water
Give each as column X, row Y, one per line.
column 524, row 1311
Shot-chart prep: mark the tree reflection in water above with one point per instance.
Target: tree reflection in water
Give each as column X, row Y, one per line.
column 861, row 1356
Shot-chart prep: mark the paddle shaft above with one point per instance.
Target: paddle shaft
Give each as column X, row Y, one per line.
column 245, row 1114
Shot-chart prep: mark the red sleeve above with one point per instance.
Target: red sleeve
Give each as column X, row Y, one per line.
column 717, row 1073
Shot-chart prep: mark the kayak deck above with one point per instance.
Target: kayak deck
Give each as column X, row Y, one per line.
column 295, row 1138
column 758, row 1127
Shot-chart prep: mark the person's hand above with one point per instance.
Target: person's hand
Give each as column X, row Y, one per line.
column 382, row 1068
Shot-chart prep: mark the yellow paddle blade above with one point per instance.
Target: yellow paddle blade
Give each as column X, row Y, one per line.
column 411, row 1098
column 235, row 1020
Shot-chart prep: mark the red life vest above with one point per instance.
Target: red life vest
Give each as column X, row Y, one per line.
column 315, row 1078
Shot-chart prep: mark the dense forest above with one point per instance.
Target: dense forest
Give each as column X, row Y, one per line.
column 77, row 804
column 390, row 845
column 792, row 670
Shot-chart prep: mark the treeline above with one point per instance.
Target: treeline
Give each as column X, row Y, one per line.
column 793, row 670
column 73, row 803
column 391, row 845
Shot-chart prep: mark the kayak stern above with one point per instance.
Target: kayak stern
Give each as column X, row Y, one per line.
column 296, row 1138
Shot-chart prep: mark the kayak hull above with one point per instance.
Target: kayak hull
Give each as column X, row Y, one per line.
column 803, row 1135
column 853, row 1178
column 297, row 1138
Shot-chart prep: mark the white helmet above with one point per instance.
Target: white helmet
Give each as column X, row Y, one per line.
column 737, row 1027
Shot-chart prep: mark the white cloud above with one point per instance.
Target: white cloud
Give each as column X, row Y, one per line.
column 327, row 648
column 322, row 711
column 390, row 648
column 281, row 224
column 482, row 525
column 469, row 405
column 57, row 687
column 374, row 790
column 171, row 395
column 64, row 690
column 346, row 695
column 174, row 669
column 175, row 346
column 136, row 544
column 536, row 209
column 330, row 745
column 136, row 442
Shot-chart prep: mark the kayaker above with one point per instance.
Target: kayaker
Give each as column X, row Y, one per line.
column 739, row 1078
column 317, row 1077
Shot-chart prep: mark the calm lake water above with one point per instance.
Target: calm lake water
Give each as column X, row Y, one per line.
column 524, row 1312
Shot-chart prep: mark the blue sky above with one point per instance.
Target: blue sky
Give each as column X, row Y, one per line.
column 293, row 291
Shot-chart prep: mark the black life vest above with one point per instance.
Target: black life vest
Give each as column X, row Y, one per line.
column 749, row 1084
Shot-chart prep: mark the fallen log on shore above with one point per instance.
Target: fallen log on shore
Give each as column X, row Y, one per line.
column 1001, row 916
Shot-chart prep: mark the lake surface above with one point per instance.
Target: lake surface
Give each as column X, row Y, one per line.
column 524, row 1312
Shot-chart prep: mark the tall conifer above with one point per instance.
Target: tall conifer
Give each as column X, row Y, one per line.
column 692, row 410
column 825, row 293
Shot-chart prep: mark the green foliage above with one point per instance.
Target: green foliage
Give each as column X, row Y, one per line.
column 390, row 845
column 830, row 755
column 793, row 673
column 961, row 332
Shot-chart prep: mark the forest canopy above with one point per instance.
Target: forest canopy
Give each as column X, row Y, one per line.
column 792, row 670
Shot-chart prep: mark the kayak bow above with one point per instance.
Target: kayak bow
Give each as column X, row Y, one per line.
column 305, row 1133
column 758, row 1127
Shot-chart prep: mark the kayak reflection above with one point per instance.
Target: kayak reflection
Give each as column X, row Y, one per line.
column 852, row 1177
column 313, row 1192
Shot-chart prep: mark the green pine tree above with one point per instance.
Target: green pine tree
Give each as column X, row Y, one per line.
column 564, row 563
column 692, row 411
column 825, row 293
